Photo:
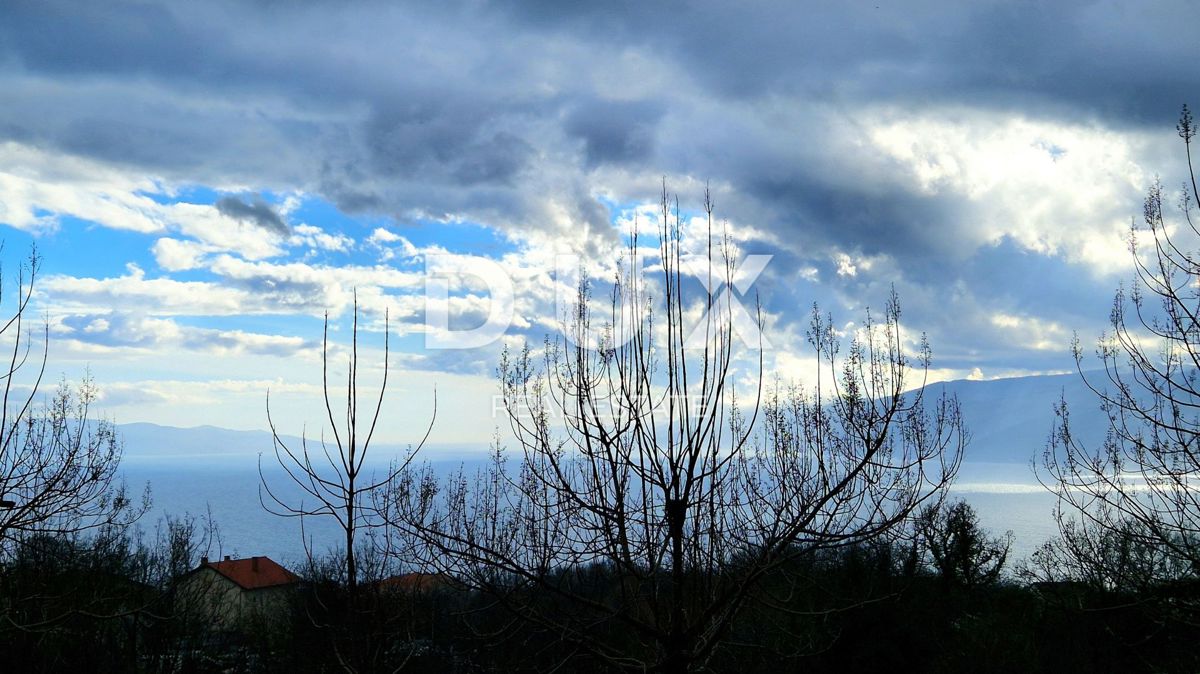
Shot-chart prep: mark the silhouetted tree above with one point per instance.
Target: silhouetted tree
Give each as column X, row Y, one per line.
column 1138, row 490
column 961, row 552
column 58, row 472
column 330, row 480
column 58, row 466
column 1119, row 556
column 645, row 502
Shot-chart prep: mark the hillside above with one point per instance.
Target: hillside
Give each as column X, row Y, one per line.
column 1009, row 421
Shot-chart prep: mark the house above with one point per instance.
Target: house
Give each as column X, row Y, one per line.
column 233, row 592
column 413, row 583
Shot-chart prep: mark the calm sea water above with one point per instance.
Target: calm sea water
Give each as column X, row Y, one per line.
column 1006, row 496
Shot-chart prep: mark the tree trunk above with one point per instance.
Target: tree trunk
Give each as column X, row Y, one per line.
column 351, row 568
column 676, row 660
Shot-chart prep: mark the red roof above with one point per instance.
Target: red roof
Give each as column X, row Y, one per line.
column 254, row 572
column 413, row 582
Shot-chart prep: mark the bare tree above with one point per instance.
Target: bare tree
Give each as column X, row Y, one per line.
column 60, row 490
column 646, row 502
column 329, row 480
column 1139, row 490
column 58, row 466
column 961, row 552
column 1117, row 557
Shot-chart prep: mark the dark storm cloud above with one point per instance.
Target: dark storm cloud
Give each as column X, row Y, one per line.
column 256, row 212
column 813, row 212
column 518, row 115
column 379, row 105
column 118, row 37
column 451, row 138
column 614, row 132
column 1118, row 61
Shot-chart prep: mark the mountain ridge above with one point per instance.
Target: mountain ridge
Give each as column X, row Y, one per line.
column 1009, row 421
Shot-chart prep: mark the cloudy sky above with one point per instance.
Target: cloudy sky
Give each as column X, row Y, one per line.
column 206, row 179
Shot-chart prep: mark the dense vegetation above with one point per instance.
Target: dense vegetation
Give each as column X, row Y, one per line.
column 104, row 603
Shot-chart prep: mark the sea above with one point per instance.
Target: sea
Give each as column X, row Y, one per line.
column 1006, row 497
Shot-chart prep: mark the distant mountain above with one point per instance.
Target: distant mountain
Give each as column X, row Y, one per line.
column 1009, row 421
column 147, row 443
column 213, row 469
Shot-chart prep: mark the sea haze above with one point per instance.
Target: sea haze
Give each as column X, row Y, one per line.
column 196, row 470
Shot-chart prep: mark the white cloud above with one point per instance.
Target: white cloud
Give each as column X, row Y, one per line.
column 160, row 296
column 390, row 243
column 115, row 331
column 381, row 235
column 1031, row 332
column 315, row 237
column 1053, row 187
column 36, row 187
column 179, row 255
column 845, row 265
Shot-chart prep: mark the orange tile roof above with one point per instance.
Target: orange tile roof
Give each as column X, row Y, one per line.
column 253, row 573
column 413, row 582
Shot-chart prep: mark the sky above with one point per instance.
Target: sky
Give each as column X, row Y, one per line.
column 205, row 180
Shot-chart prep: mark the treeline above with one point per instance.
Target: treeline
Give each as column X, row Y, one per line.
column 938, row 599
